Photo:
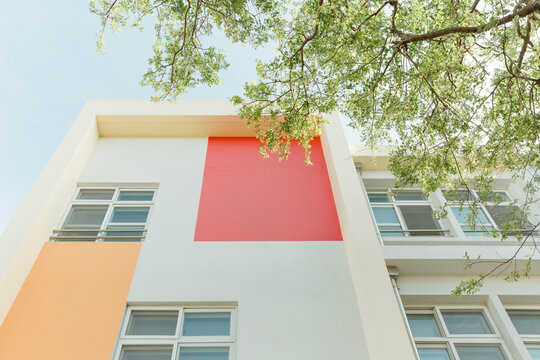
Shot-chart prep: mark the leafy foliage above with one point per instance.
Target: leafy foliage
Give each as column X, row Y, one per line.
column 451, row 85
column 182, row 59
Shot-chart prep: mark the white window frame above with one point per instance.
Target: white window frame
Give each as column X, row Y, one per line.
column 177, row 340
column 449, row 341
column 480, row 228
column 111, row 205
column 529, row 340
column 393, row 203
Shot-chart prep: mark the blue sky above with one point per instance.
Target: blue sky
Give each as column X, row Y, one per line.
column 49, row 68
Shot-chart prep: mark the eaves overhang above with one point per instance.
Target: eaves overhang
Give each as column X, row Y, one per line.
column 183, row 118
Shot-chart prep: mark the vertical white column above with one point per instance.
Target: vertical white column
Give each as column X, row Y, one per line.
column 508, row 331
column 384, row 328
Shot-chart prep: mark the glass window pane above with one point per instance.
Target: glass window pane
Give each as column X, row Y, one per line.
column 462, row 215
column 146, row 354
column 419, row 217
column 494, row 196
column 95, row 194
column 501, row 194
column 458, row 195
column 466, row 322
column 131, row 195
column 433, row 354
column 152, row 323
column 378, row 198
column 130, row 214
column 508, row 214
column 409, row 195
column 384, row 215
column 423, row 325
column 526, row 323
column 207, row 324
column 136, row 234
column 85, row 217
column 471, row 352
column 535, row 353
column 382, row 230
column 207, row 353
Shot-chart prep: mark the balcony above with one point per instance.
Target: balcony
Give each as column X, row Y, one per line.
column 101, row 235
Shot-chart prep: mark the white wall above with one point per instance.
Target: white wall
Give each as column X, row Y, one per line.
column 295, row 299
column 41, row 210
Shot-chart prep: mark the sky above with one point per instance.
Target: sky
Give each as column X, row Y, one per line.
column 49, row 68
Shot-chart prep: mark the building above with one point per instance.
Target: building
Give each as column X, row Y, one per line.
column 158, row 232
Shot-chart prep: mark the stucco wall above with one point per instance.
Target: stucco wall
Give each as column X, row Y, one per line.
column 71, row 303
column 295, row 299
column 40, row 212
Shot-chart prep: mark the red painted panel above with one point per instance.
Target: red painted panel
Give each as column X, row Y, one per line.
column 248, row 198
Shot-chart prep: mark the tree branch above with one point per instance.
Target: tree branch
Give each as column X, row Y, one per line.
column 406, row 38
column 526, row 40
column 473, row 7
column 307, row 39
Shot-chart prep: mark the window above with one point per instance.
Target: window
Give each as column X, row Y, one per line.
column 443, row 333
column 177, row 333
column 498, row 213
column 106, row 214
column 527, row 324
column 407, row 213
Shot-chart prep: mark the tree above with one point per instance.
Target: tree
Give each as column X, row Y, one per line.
column 451, row 85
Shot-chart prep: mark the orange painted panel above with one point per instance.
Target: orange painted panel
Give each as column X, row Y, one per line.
column 71, row 304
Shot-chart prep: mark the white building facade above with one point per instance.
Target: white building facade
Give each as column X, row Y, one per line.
column 157, row 231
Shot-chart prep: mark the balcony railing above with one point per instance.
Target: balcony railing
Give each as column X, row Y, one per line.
column 98, row 235
column 522, row 232
column 418, row 232
column 437, row 232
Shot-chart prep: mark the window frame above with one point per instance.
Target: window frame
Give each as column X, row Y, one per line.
column 529, row 340
column 450, row 341
column 532, row 346
column 480, row 231
column 142, row 347
column 178, row 340
column 394, row 204
column 111, row 205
